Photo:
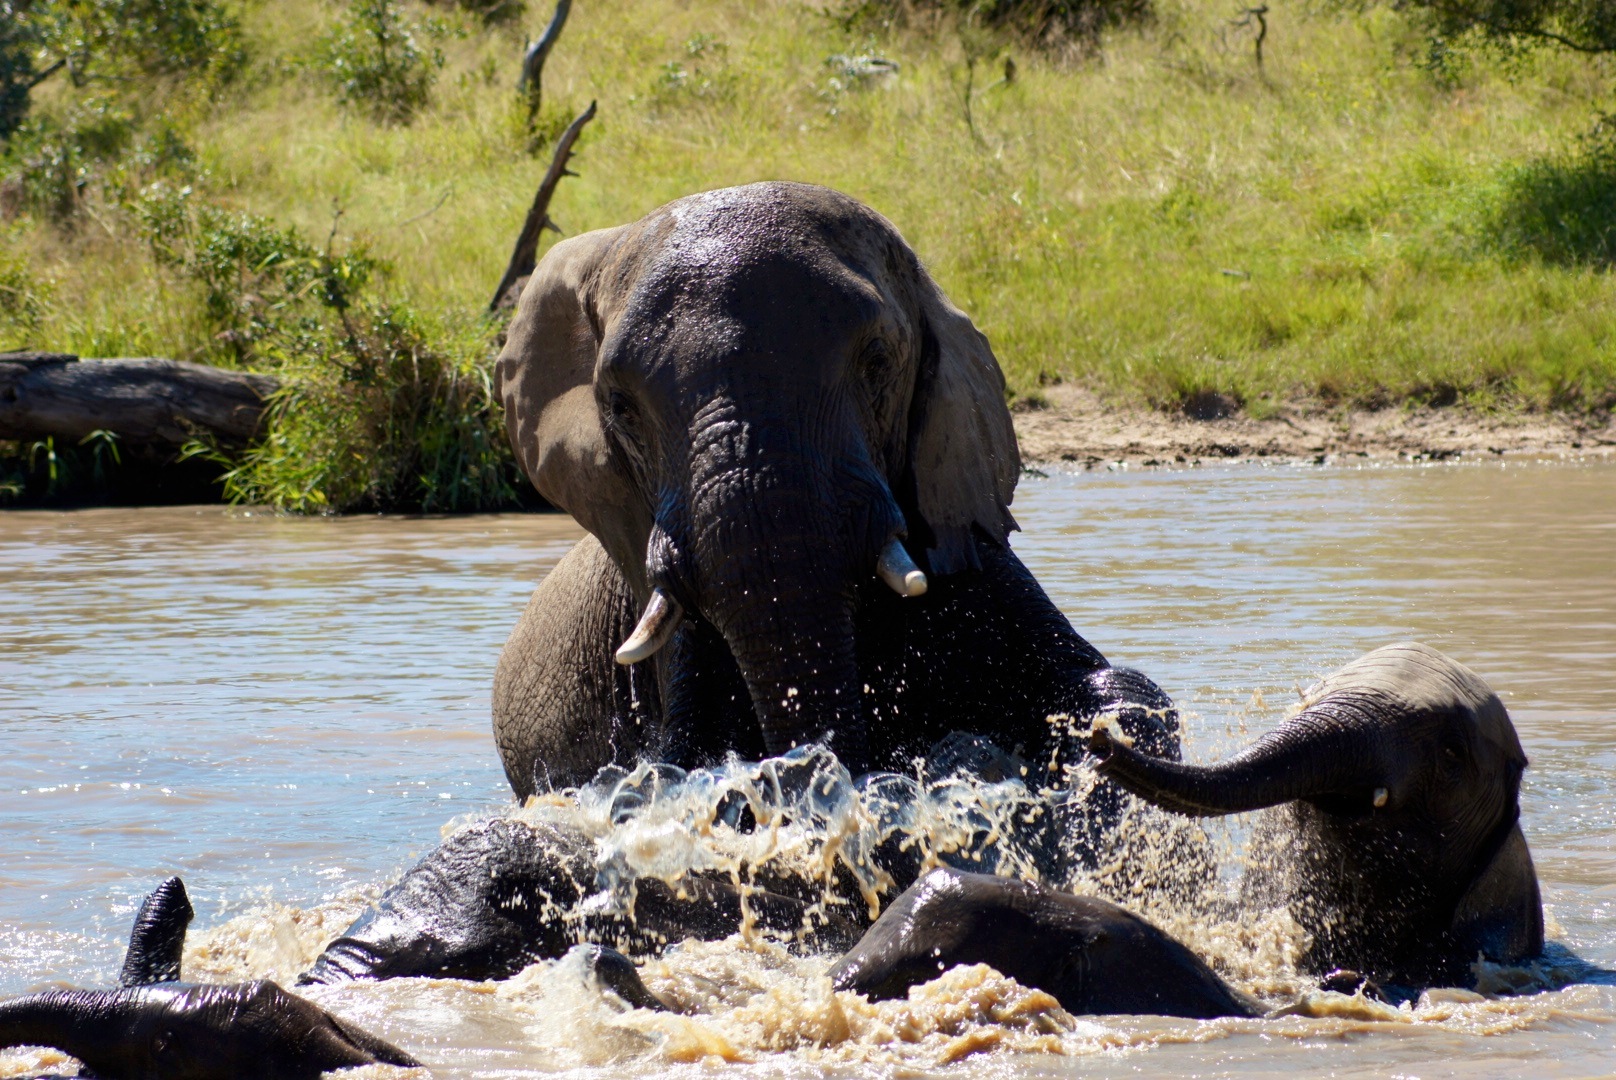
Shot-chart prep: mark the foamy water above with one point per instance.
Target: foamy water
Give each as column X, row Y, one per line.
column 287, row 712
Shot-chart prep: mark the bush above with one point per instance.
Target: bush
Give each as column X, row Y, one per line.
column 374, row 416
column 259, row 280
column 53, row 161
column 1583, row 25
column 376, row 64
column 128, row 41
column 378, row 410
column 1562, row 209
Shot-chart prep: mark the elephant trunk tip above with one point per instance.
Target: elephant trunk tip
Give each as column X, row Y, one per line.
column 899, row 571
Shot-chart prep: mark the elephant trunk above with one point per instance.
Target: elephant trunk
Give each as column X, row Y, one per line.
column 65, row 1020
column 1324, row 752
column 801, row 671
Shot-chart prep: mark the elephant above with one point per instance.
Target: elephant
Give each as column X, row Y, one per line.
column 794, row 461
column 502, row 893
column 1398, row 846
column 1090, row 955
column 154, row 1027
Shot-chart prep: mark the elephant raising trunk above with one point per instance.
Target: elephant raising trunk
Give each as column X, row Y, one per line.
column 1401, row 849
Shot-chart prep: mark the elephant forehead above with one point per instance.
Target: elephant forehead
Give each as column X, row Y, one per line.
column 741, row 275
column 1424, row 680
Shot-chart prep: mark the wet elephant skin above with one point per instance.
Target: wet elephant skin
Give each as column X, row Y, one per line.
column 1090, row 955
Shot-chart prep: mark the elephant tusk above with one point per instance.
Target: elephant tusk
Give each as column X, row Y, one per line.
column 656, row 626
column 899, row 571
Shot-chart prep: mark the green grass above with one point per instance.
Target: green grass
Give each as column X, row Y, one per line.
column 1342, row 226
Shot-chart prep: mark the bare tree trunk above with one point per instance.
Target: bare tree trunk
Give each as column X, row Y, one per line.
column 537, row 53
column 525, row 255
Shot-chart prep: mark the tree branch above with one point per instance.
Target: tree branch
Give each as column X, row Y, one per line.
column 537, row 53
column 1464, row 13
column 525, row 255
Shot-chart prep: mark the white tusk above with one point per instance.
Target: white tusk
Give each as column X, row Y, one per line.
column 1380, row 797
column 899, row 571
column 656, row 626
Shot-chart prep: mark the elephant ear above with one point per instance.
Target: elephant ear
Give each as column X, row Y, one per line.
column 963, row 458
column 545, row 377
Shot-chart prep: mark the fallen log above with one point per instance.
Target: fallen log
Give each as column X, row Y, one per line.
column 143, row 400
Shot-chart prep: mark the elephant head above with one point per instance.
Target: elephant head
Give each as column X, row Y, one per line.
column 759, row 402
column 1403, row 773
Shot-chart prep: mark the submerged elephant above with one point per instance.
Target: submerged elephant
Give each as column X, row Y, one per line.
column 502, row 894
column 795, row 463
column 154, row 1027
column 1398, row 846
column 1091, row 956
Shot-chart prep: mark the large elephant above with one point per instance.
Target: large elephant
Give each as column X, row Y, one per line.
column 795, row 463
column 1398, row 846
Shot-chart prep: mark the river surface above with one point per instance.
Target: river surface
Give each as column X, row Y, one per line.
column 287, row 712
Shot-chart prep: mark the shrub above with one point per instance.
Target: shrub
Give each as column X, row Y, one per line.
column 258, row 279
column 1587, row 26
column 374, row 61
column 53, row 161
column 373, row 415
column 126, row 41
column 1562, row 208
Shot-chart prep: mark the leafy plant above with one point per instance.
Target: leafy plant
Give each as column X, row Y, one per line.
column 112, row 42
column 376, row 63
column 378, row 413
column 1586, row 26
column 1562, row 208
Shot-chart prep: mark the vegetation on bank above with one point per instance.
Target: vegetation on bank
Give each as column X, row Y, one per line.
column 1379, row 205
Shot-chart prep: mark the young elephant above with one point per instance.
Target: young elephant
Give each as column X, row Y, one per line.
column 152, row 1028
column 1398, row 847
column 1091, row 956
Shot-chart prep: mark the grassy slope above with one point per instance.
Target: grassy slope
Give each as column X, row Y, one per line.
column 1159, row 221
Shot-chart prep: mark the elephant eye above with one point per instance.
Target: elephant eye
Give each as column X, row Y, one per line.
column 623, row 417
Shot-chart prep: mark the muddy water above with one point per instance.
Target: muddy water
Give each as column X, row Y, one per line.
column 286, row 712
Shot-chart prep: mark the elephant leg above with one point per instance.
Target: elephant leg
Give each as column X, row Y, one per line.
column 563, row 707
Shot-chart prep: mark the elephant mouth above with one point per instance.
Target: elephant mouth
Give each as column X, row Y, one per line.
column 663, row 613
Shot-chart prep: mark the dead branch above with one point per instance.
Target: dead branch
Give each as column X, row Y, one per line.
column 535, row 56
column 1259, row 15
column 525, row 255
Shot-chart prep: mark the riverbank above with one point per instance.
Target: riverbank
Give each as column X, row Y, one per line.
column 1071, row 426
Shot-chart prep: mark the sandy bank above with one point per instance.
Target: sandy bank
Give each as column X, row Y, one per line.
column 1078, row 428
